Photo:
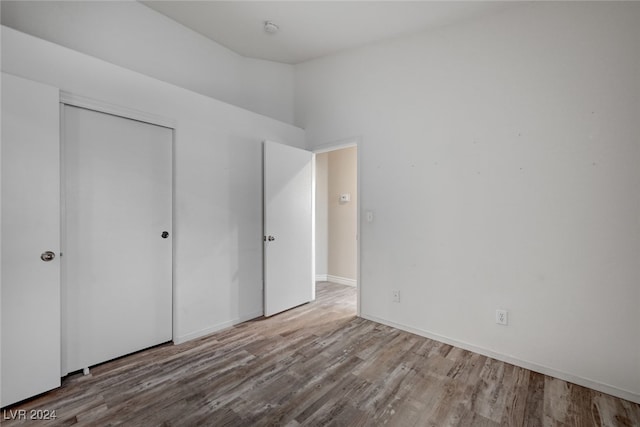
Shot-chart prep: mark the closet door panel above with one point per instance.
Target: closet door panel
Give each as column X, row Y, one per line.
column 118, row 236
column 30, row 252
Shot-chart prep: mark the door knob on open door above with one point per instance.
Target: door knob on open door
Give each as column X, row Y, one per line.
column 47, row 256
column 271, row 238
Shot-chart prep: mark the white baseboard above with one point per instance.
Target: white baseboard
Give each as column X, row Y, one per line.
column 321, row 278
column 342, row 280
column 585, row 382
column 215, row 328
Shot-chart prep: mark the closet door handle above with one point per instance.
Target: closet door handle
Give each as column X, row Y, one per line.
column 47, row 256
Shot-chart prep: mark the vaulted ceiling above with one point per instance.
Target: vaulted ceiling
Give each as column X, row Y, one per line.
column 311, row 29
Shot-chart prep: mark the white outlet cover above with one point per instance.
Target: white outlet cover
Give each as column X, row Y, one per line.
column 502, row 317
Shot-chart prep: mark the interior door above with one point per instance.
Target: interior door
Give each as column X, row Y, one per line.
column 117, row 263
column 289, row 276
column 30, row 286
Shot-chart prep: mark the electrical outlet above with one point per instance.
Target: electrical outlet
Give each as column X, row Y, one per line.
column 396, row 295
column 502, row 317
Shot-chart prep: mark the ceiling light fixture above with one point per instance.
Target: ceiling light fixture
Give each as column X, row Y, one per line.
column 270, row 27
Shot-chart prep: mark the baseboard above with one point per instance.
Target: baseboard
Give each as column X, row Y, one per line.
column 342, row 280
column 585, row 382
column 321, row 278
column 216, row 328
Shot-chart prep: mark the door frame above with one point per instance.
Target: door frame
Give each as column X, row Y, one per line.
column 67, row 98
column 354, row 141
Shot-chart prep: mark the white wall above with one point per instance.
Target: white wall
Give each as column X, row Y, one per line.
column 129, row 34
column 500, row 158
column 218, row 177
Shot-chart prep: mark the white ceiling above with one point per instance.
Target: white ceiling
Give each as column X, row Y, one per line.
column 310, row 29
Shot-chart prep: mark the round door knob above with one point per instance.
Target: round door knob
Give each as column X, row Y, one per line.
column 271, row 238
column 47, row 256
column 165, row 234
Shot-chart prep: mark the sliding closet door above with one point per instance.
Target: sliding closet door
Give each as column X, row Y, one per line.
column 30, row 262
column 117, row 262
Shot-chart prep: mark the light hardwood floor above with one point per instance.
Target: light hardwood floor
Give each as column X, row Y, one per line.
column 320, row 365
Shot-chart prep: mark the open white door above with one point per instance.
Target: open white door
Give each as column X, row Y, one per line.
column 30, row 308
column 289, row 276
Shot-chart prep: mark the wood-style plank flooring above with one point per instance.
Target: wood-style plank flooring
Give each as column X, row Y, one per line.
column 319, row 365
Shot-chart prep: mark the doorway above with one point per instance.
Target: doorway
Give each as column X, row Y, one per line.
column 337, row 213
